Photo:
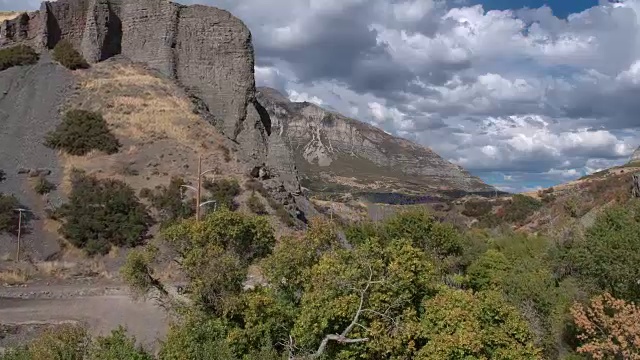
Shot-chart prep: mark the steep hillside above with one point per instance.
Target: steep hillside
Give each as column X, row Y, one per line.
column 635, row 157
column 334, row 152
column 206, row 50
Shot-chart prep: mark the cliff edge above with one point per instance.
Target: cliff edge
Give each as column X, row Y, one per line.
column 206, row 50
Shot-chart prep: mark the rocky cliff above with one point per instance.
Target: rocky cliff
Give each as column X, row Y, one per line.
column 206, row 50
column 635, row 157
column 333, row 151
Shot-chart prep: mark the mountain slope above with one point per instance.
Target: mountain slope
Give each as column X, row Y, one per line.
column 635, row 157
column 334, row 152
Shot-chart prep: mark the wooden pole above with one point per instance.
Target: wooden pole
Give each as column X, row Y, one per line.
column 199, row 192
column 19, row 234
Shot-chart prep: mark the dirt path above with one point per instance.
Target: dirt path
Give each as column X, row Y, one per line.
column 101, row 309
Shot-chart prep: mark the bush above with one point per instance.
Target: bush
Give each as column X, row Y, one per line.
column 82, row 131
column 101, row 214
column 43, row 186
column 520, row 208
column 8, row 215
column 168, row 201
column 476, row 208
column 117, row 346
column 69, row 57
column 17, row 56
column 255, row 205
column 223, row 191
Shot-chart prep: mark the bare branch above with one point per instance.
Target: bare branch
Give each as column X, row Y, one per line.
column 342, row 338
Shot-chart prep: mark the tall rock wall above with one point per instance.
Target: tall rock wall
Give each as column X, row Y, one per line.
column 206, row 50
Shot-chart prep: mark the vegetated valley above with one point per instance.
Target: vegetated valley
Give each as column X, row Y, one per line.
column 104, row 151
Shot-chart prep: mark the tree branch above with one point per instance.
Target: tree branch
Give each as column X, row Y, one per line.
column 342, row 338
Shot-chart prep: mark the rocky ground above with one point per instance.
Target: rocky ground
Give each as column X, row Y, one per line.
column 29, row 102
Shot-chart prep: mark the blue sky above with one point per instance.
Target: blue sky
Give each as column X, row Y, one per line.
column 561, row 8
column 522, row 93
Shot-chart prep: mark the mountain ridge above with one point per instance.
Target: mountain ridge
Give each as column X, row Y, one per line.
column 331, row 149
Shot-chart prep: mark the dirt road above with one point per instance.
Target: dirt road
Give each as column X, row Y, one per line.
column 101, row 309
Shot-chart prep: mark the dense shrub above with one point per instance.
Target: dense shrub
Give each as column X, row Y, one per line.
column 43, row 186
column 255, row 205
column 8, row 215
column 520, row 208
column 101, row 214
column 82, row 131
column 223, row 191
column 16, row 56
column 168, row 201
column 73, row 342
column 476, row 208
column 69, row 57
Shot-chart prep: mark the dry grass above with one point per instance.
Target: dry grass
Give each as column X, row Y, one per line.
column 8, row 15
column 14, row 276
column 154, row 120
column 144, row 107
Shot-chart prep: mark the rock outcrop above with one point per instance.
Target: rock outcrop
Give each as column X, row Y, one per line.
column 330, row 149
column 206, row 50
column 635, row 157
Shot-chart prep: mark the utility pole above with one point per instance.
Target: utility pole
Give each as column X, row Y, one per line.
column 198, row 189
column 20, row 211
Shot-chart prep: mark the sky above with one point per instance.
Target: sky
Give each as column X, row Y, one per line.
column 523, row 93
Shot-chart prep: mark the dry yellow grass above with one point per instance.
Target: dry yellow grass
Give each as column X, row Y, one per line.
column 14, row 276
column 8, row 15
column 154, row 120
column 144, row 107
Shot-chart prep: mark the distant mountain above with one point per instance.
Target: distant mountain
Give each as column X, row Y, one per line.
column 335, row 153
column 636, row 156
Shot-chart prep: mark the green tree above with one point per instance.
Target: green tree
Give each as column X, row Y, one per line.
column 462, row 325
column 214, row 254
column 68, row 56
column 607, row 258
column 101, row 213
column 223, row 191
column 117, row 346
column 82, row 131
column 17, row 56
column 168, row 201
column 8, row 215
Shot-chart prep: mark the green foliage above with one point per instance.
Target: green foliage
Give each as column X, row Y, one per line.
column 43, row 186
column 224, row 192
column 255, row 205
column 476, row 208
column 520, row 208
column 117, row 346
column 608, row 256
column 8, row 215
column 198, row 338
column 69, row 57
column 72, row 342
column 101, row 214
column 168, row 201
column 65, row 342
column 462, row 325
column 425, row 232
column 82, row 131
column 214, row 253
column 17, row 56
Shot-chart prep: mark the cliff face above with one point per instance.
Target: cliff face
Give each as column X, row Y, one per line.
column 636, row 156
column 331, row 149
column 206, row 50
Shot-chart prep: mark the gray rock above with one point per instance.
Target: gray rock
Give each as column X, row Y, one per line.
column 205, row 49
column 325, row 142
column 635, row 157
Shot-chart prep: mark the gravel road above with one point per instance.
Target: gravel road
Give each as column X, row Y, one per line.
column 30, row 98
column 101, row 309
